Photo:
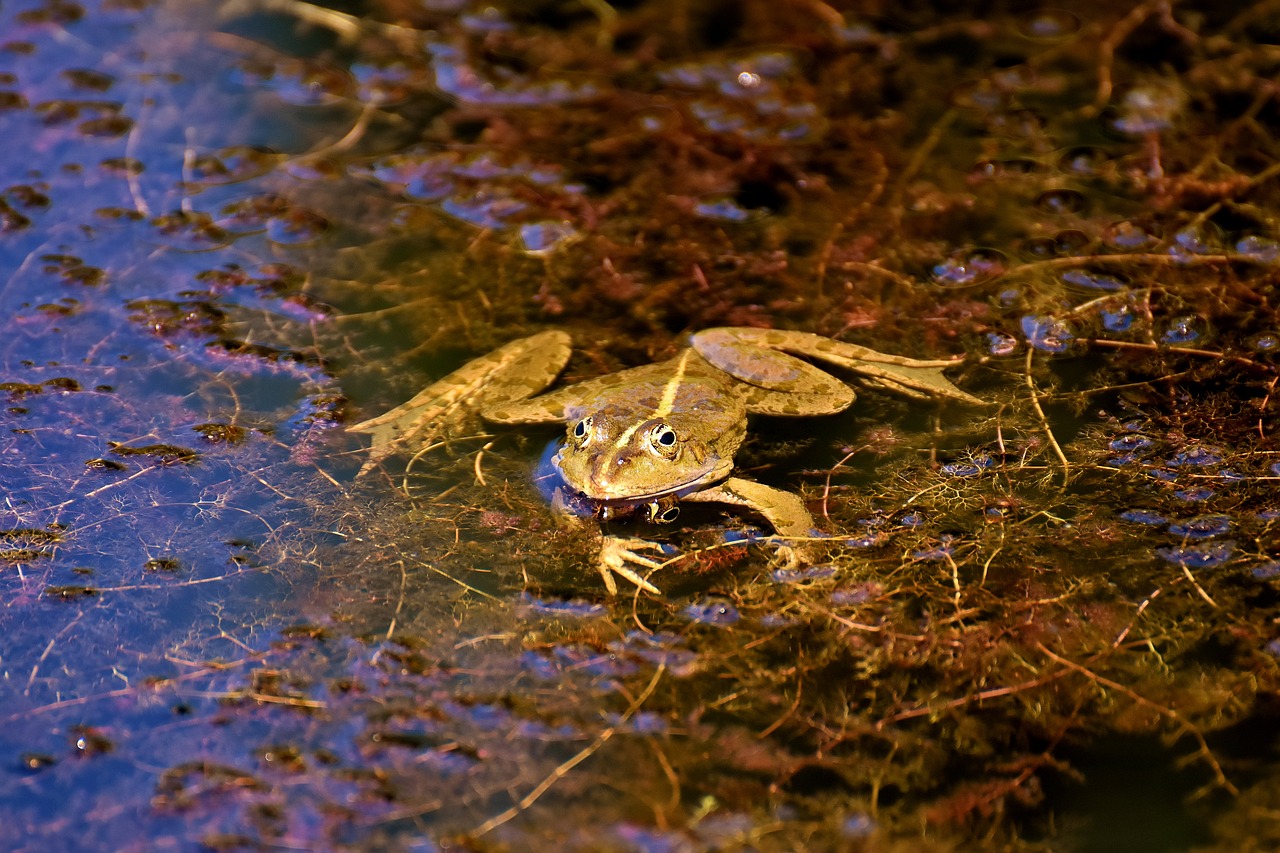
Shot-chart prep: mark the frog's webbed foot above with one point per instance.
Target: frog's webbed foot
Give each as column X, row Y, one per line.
column 510, row 374
column 436, row 410
column 615, row 554
column 791, row 555
column 915, row 378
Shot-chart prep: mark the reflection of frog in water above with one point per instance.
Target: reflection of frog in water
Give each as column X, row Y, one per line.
column 655, row 435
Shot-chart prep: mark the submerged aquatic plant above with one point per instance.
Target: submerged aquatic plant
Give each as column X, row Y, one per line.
column 222, row 248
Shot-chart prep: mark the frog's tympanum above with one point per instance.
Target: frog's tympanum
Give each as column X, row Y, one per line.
column 650, row 437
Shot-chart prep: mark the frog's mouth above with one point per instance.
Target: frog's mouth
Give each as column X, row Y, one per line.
column 599, row 486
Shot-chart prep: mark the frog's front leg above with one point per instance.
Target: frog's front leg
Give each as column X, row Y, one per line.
column 783, row 510
column 616, row 552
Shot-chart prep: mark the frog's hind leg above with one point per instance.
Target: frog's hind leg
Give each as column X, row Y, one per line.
column 510, row 373
column 751, row 355
column 921, row 379
column 782, row 509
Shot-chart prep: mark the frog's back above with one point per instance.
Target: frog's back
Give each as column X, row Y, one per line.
column 680, row 387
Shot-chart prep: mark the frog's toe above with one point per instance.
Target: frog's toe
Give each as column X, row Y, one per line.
column 607, row 572
column 616, row 553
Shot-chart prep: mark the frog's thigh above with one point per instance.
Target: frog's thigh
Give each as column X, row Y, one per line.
column 784, row 510
column 781, row 384
column 516, row 372
column 827, row 400
column 913, row 377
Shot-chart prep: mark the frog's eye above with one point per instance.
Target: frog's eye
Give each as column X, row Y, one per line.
column 667, row 515
column 662, row 440
column 581, row 430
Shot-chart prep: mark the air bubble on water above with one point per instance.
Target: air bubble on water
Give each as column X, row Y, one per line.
column 1258, row 248
column 1093, row 280
column 533, row 605
column 1188, row 329
column 1201, row 526
column 999, row 169
column 1009, row 297
column 723, row 210
column 483, row 209
column 296, row 227
column 1267, row 570
column 1131, row 443
column 712, row 612
column 1149, row 108
column 969, row 468
column 1118, row 319
column 543, row 238
column 1047, row 334
column 488, row 19
column 382, row 85
column 999, row 343
column 1060, row 201
column 1038, row 248
column 969, row 267
column 1131, row 235
column 860, row 594
column 870, row 540
column 1197, row 456
column 981, row 95
column 429, row 187
column 1195, row 494
column 1084, row 161
column 1071, row 242
column 1204, row 239
column 942, row 551
column 1197, row 556
column 1048, row 24
column 1264, row 342
column 1143, row 516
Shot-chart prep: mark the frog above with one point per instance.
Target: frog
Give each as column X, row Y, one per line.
column 645, row 439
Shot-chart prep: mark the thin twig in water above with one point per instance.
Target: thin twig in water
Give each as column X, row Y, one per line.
column 404, row 582
column 1184, row 724
column 1187, row 573
column 1146, row 602
column 1044, row 421
column 563, row 770
column 479, row 463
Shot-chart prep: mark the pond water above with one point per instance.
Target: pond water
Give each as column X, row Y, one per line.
column 229, row 230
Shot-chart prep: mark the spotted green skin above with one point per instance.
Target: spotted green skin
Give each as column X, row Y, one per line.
column 663, row 432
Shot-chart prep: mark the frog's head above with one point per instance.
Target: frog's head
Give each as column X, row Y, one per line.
column 610, row 459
